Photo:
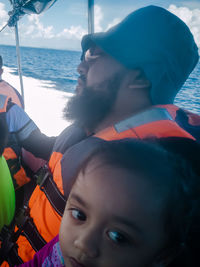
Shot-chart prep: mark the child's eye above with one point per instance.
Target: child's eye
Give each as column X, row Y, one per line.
column 78, row 215
column 117, row 237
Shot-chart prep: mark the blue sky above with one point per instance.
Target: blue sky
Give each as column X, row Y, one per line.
column 64, row 24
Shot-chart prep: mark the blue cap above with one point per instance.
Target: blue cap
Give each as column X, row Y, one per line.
column 156, row 41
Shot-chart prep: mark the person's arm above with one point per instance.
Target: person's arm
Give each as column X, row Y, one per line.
column 28, row 134
column 39, row 144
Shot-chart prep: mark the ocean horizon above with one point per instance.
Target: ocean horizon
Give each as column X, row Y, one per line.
column 56, row 66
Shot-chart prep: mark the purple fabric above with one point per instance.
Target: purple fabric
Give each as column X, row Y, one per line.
column 49, row 255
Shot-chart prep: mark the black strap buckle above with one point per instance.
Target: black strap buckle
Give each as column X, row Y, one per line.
column 27, row 228
column 42, row 175
column 45, row 180
column 22, row 217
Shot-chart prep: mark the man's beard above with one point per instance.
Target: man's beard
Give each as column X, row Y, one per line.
column 94, row 103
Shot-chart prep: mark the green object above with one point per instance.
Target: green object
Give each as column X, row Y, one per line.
column 7, row 194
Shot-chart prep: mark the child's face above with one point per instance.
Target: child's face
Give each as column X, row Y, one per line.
column 112, row 219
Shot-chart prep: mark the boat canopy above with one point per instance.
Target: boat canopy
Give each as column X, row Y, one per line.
column 22, row 7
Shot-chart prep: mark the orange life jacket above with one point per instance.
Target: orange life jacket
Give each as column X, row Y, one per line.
column 12, row 155
column 159, row 121
column 7, row 90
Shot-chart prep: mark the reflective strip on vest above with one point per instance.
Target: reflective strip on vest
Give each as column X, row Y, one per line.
column 151, row 115
column 159, row 124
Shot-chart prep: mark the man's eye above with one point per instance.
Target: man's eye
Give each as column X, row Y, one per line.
column 117, row 237
column 78, row 215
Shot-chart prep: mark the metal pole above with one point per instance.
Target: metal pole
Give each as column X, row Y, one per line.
column 19, row 60
column 90, row 16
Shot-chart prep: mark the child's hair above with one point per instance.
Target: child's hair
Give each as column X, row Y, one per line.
column 170, row 167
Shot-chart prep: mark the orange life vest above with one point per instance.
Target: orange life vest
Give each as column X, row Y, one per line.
column 12, row 156
column 159, row 121
column 7, row 90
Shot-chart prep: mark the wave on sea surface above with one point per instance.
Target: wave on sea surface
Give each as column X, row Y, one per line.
column 189, row 95
column 58, row 66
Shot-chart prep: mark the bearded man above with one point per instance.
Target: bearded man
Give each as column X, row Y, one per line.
column 129, row 77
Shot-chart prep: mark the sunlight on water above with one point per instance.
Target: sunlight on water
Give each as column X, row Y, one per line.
column 43, row 105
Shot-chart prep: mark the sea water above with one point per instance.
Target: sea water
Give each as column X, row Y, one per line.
column 50, row 78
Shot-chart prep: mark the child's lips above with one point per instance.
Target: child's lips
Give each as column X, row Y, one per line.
column 75, row 263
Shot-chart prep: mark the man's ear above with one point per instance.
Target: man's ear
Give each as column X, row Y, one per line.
column 138, row 80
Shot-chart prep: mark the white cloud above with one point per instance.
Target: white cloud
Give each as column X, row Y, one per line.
column 190, row 17
column 113, row 23
column 3, row 15
column 36, row 29
column 7, row 35
column 29, row 28
column 33, row 32
column 98, row 17
column 76, row 32
column 73, row 32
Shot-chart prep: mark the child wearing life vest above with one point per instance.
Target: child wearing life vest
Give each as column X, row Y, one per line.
column 133, row 204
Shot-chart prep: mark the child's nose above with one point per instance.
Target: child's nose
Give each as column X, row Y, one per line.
column 87, row 242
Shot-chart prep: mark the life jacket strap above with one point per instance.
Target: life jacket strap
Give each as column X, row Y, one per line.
column 45, row 180
column 8, row 250
column 9, row 254
column 27, row 228
column 25, row 223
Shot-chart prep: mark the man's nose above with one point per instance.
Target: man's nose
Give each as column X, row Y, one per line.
column 82, row 68
column 88, row 243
